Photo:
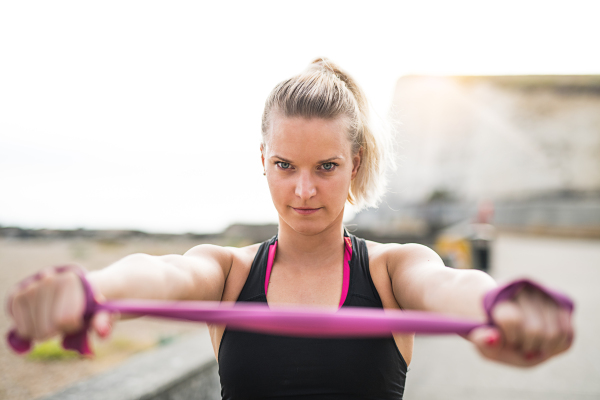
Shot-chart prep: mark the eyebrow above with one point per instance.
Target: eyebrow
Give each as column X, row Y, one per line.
column 318, row 162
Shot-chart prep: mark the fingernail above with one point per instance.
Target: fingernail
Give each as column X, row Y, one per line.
column 530, row 355
column 104, row 330
column 492, row 339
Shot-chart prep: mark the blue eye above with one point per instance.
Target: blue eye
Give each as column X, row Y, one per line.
column 283, row 165
column 329, row 166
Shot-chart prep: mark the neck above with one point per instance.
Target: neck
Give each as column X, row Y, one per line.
column 294, row 248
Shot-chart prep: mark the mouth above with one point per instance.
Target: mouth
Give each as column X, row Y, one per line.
column 305, row 210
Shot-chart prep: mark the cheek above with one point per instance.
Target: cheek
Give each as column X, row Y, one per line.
column 341, row 189
column 335, row 191
column 280, row 189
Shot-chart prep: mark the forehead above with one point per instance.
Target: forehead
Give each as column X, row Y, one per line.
column 308, row 138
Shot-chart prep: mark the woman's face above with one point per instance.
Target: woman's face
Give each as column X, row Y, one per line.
column 309, row 167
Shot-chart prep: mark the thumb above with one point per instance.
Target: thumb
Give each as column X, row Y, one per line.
column 487, row 339
column 102, row 323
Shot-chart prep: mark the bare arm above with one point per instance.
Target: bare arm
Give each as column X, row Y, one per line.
column 528, row 329
column 199, row 274
column 421, row 282
column 54, row 303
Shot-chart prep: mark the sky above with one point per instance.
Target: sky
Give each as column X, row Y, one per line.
column 146, row 115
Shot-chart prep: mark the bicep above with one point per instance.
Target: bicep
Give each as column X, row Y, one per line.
column 204, row 269
column 414, row 269
column 197, row 275
column 421, row 282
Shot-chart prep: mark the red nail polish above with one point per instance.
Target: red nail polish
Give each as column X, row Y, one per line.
column 104, row 331
column 492, row 339
column 529, row 355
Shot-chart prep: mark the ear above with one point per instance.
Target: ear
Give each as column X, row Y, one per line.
column 356, row 161
column 262, row 155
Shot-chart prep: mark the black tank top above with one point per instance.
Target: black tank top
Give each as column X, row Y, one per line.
column 263, row 366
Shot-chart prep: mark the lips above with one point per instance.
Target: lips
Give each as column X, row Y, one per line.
column 306, row 210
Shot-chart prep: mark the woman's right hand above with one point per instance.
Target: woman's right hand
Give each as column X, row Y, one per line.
column 52, row 303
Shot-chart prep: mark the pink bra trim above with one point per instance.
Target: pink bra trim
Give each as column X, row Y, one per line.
column 345, row 280
column 347, row 258
column 272, row 250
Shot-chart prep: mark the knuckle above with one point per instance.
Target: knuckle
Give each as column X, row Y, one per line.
column 534, row 331
column 68, row 322
column 67, row 279
column 508, row 316
column 553, row 338
column 553, row 335
column 21, row 304
column 46, row 280
column 18, row 299
column 29, row 291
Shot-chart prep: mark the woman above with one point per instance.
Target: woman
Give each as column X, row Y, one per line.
column 318, row 151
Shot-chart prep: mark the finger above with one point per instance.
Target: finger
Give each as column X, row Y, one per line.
column 533, row 326
column 31, row 294
column 566, row 328
column 488, row 341
column 70, row 304
column 34, row 323
column 43, row 310
column 22, row 317
column 553, row 335
column 515, row 357
column 490, row 345
column 508, row 317
column 102, row 323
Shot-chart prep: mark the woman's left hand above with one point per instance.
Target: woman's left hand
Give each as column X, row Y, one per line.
column 529, row 329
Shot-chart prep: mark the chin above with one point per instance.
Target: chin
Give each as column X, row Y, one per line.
column 308, row 229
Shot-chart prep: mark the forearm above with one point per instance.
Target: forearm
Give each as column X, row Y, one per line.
column 422, row 282
column 143, row 276
column 458, row 292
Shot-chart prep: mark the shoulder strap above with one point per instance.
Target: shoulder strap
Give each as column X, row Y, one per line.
column 254, row 286
column 361, row 283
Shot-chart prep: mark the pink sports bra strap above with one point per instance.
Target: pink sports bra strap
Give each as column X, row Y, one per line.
column 345, row 280
column 270, row 260
column 347, row 258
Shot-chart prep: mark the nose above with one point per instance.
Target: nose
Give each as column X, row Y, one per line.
column 305, row 187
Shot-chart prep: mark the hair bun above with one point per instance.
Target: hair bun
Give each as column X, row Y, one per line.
column 326, row 63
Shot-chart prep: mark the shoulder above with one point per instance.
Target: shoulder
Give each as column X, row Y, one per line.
column 227, row 257
column 396, row 250
column 395, row 255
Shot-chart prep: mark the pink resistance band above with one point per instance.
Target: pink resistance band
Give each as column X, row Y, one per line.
column 345, row 280
column 291, row 321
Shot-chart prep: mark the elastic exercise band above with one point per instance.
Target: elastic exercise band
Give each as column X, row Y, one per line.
column 290, row 321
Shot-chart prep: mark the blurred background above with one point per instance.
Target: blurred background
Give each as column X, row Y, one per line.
column 135, row 127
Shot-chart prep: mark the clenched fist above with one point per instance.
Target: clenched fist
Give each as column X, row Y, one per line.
column 529, row 328
column 50, row 303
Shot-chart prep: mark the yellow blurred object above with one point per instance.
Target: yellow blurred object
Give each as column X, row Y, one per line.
column 51, row 350
column 466, row 245
column 455, row 251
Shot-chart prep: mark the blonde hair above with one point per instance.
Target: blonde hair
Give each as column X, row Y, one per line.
column 323, row 90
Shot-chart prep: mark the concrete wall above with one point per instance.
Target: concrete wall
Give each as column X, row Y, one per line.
column 185, row 369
